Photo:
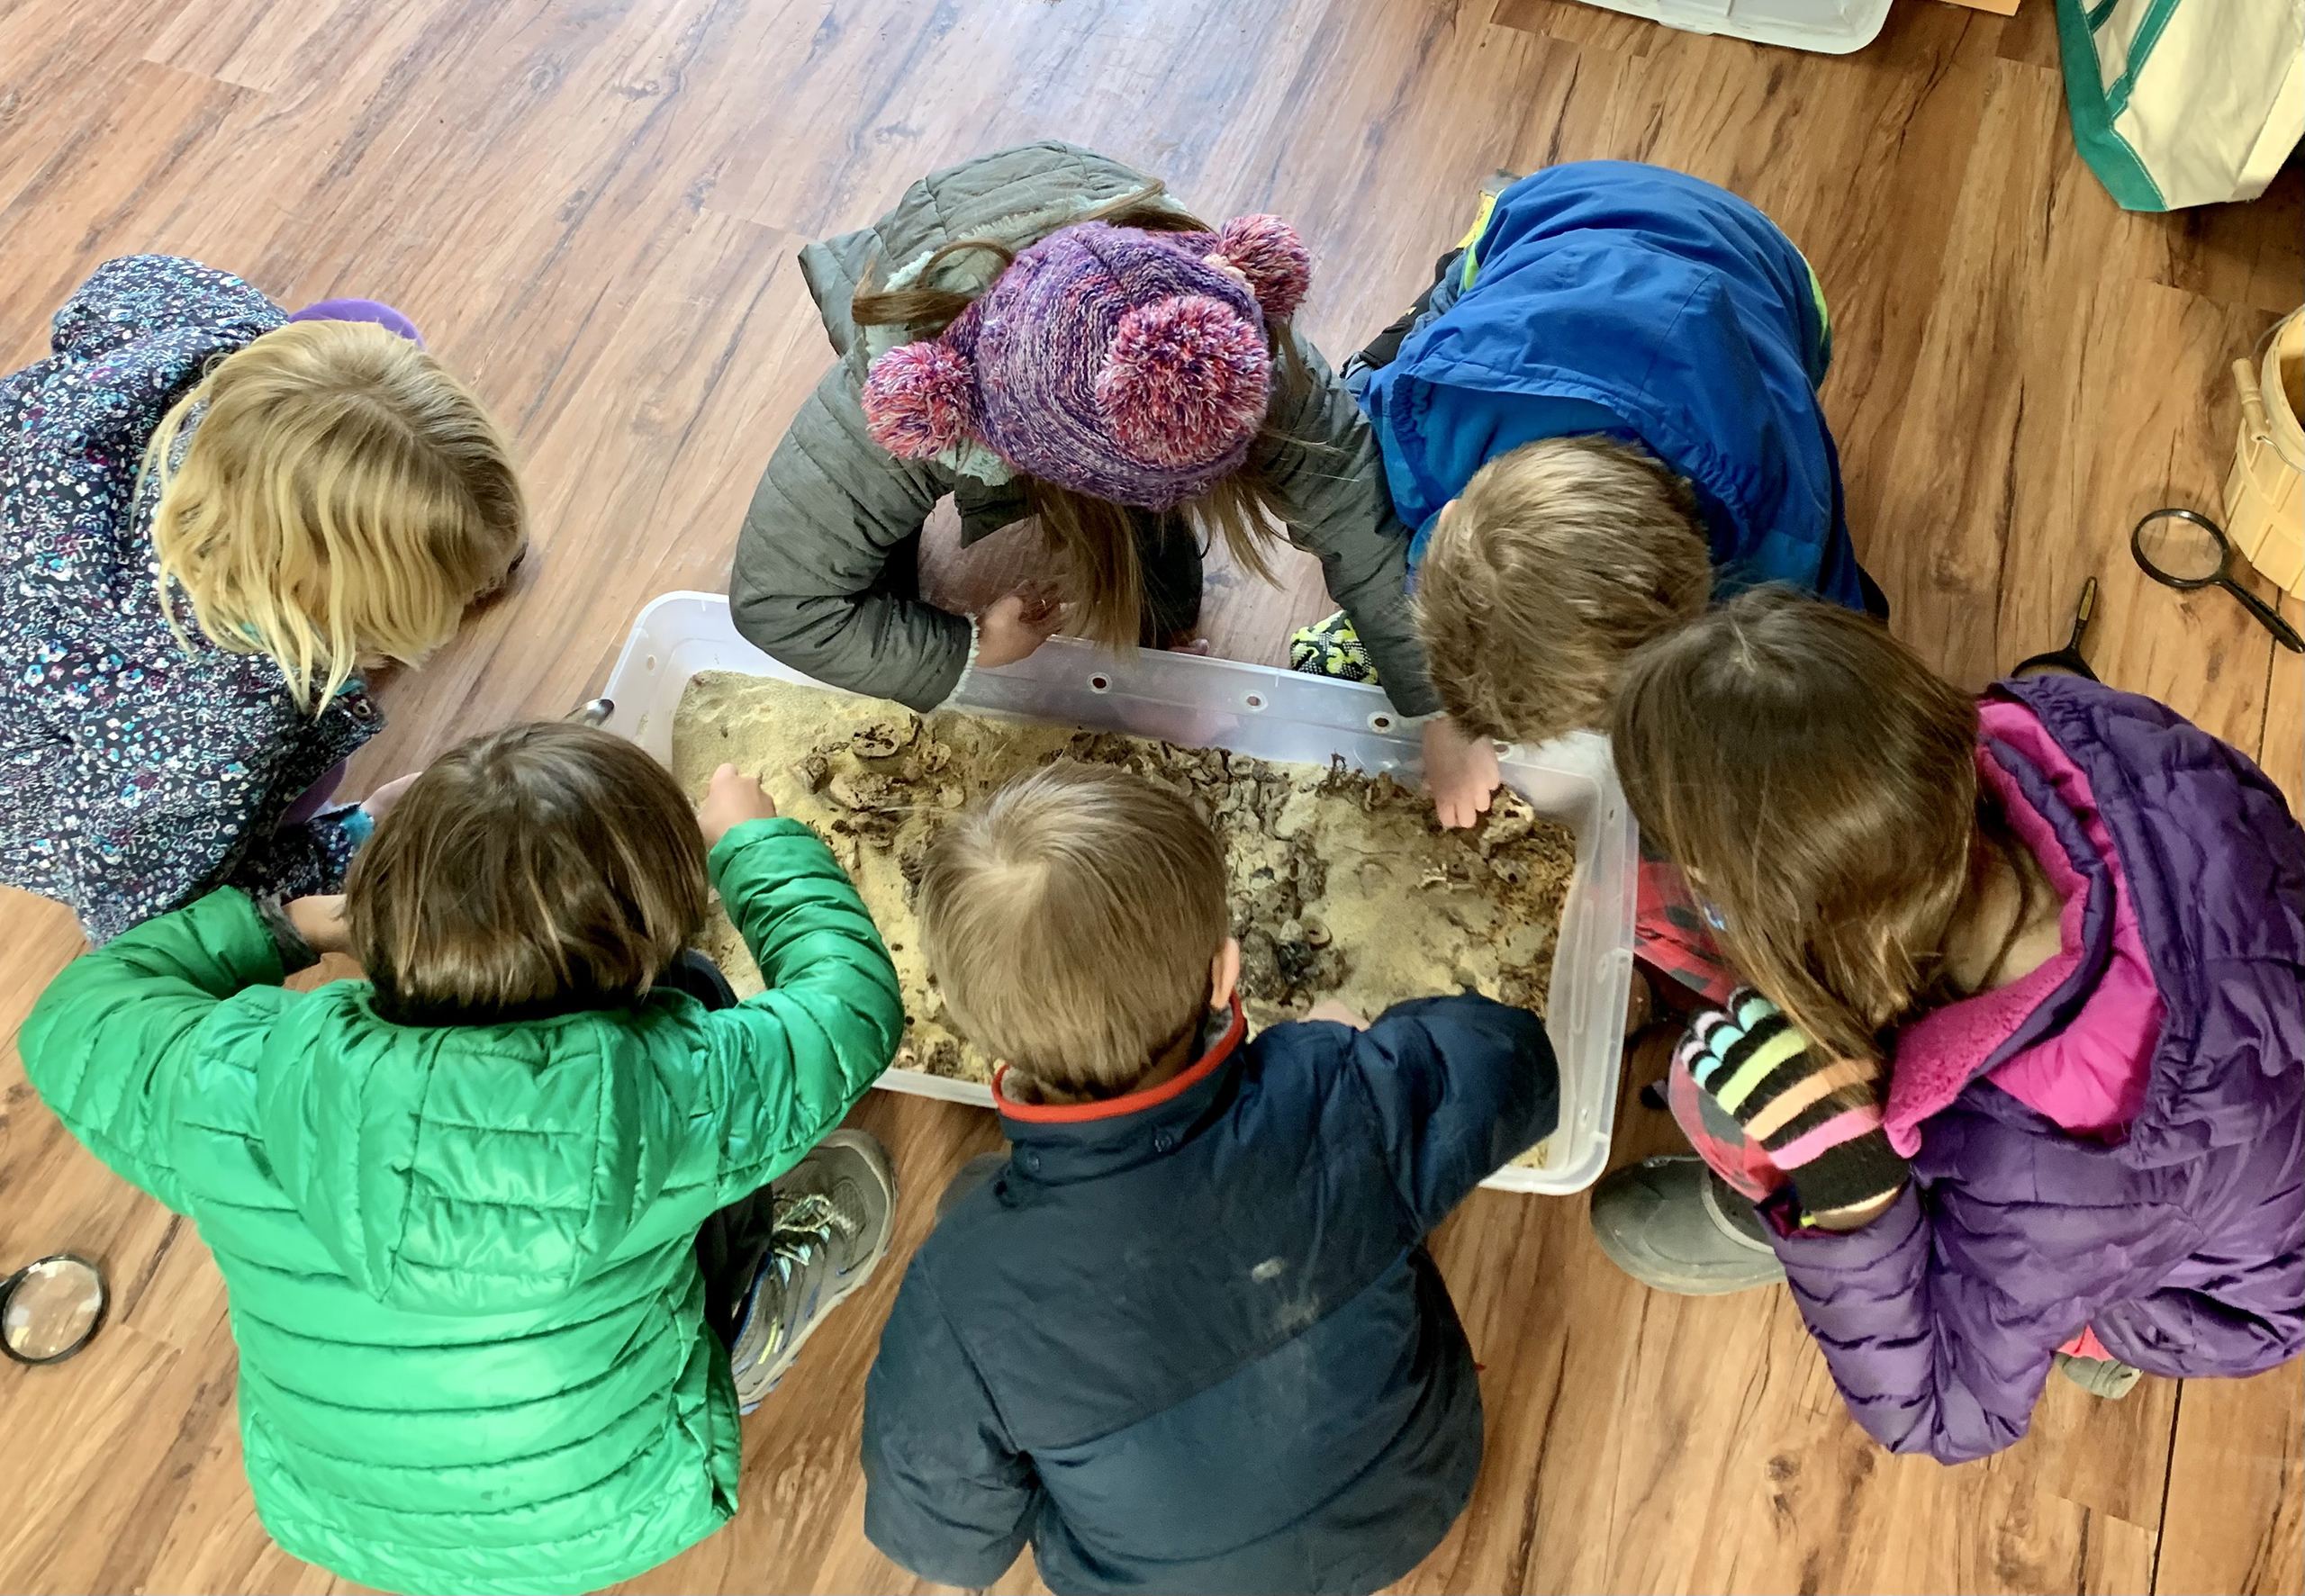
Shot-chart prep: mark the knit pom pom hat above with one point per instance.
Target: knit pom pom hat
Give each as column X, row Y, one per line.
column 1125, row 364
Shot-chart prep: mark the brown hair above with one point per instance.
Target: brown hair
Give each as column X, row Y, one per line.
column 1819, row 785
column 1096, row 539
column 1069, row 920
column 1559, row 559
column 535, row 871
column 340, row 495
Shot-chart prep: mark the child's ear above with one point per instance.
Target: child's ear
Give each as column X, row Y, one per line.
column 1224, row 974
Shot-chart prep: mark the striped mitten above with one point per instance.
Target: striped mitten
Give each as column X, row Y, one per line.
column 1804, row 1111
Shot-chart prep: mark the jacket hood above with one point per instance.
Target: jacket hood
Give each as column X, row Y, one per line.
column 2216, row 866
column 472, row 1169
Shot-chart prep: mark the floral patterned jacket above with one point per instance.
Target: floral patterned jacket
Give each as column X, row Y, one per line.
column 136, row 772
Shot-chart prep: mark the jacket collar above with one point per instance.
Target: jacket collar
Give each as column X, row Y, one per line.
column 1939, row 1054
column 1236, row 1026
column 1058, row 1145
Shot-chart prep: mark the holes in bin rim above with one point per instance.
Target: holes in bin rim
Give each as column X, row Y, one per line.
column 1101, row 684
column 1254, row 700
column 1381, row 722
column 650, row 663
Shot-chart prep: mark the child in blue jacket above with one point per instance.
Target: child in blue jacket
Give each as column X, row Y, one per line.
column 1627, row 312
column 1603, row 415
column 1188, row 1336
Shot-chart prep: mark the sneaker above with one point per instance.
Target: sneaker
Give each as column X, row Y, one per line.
column 1492, row 189
column 1674, row 1225
column 1331, row 648
column 2099, row 1376
column 834, row 1212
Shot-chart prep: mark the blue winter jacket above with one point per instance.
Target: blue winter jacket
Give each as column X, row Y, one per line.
column 1190, row 1339
column 1639, row 302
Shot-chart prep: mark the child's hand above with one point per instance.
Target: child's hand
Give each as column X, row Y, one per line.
column 319, row 921
column 731, row 800
column 1012, row 626
column 1328, row 1008
column 1818, row 1118
column 1461, row 772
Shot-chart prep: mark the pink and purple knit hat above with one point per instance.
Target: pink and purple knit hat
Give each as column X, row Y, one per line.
column 1128, row 365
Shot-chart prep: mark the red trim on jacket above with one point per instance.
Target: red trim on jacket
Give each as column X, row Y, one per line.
column 1073, row 1114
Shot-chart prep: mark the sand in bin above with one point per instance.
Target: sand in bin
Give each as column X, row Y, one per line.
column 1342, row 886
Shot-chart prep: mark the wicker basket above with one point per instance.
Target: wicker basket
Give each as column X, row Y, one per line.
column 2265, row 498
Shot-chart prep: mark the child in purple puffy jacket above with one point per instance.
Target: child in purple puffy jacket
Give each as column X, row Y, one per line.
column 2019, row 1082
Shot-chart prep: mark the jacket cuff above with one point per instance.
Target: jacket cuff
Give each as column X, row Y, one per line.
column 968, row 667
column 1401, row 670
column 1805, row 1247
column 743, row 835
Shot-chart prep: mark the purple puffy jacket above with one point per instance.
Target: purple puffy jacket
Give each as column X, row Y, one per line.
column 2181, row 1244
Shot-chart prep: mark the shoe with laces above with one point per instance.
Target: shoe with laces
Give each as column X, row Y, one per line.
column 834, row 1212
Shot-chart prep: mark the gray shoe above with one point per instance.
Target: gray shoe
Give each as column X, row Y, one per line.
column 1674, row 1225
column 835, row 1210
column 2099, row 1376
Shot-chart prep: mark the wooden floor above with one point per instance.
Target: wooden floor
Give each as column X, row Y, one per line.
column 591, row 207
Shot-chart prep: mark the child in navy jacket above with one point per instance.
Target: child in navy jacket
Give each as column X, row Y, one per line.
column 1188, row 1336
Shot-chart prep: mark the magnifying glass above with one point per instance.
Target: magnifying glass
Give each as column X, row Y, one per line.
column 50, row 1309
column 2066, row 660
column 2181, row 550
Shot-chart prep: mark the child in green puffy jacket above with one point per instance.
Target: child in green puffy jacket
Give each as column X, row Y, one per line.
column 494, row 1220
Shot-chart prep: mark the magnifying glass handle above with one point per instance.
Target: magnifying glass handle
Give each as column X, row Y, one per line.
column 2282, row 632
column 2082, row 612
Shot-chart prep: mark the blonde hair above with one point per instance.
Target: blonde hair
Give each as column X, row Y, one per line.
column 338, row 494
column 1559, row 560
column 1070, row 921
column 1819, row 784
column 541, row 870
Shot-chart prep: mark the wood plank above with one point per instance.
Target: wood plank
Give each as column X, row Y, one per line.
column 591, row 210
column 2136, row 446
column 2235, row 1518
column 2283, row 752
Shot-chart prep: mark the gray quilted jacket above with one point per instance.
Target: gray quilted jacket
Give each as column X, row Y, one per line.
column 833, row 506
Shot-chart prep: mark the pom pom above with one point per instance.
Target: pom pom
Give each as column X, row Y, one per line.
column 1267, row 251
column 920, row 400
column 1185, row 381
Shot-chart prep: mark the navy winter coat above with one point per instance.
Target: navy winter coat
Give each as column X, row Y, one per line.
column 1190, row 1339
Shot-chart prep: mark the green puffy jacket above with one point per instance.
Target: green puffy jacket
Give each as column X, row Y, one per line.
column 461, row 1259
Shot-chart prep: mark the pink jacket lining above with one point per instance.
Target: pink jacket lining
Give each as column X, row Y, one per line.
column 2089, row 1078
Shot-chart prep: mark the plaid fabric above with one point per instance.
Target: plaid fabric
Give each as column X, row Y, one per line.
column 1744, row 1164
column 1669, row 932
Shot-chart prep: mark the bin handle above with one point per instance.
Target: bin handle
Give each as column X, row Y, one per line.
column 2248, row 382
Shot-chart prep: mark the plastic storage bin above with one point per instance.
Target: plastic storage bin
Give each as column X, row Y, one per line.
column 1828, row 27
column 1272, row 714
